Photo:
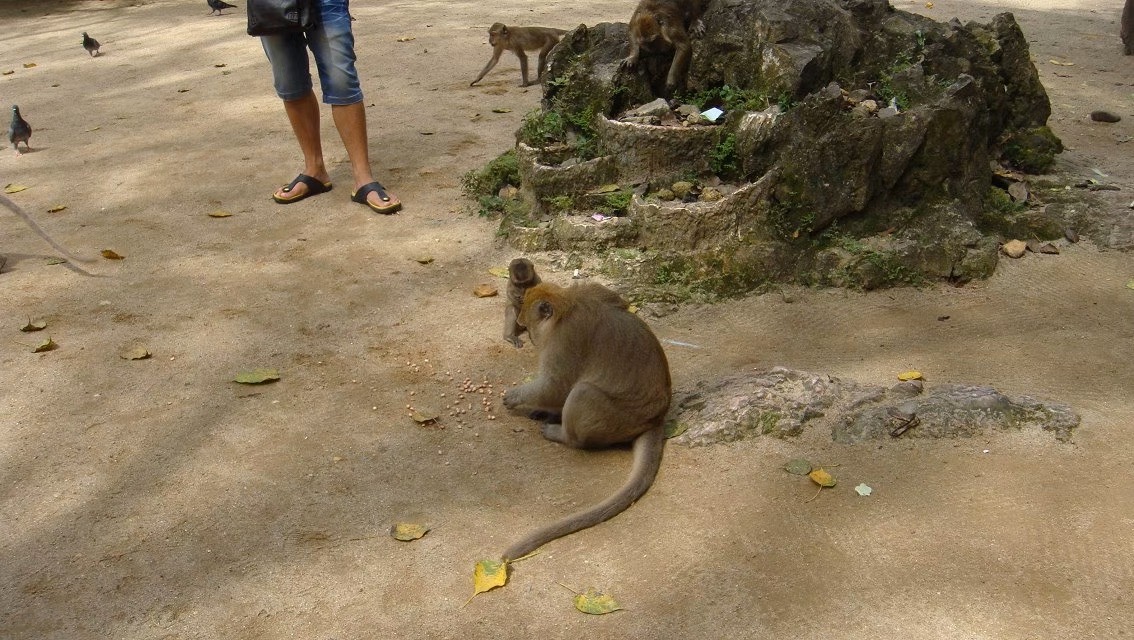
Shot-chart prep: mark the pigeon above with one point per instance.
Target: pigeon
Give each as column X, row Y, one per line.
column 219, row 6
column 90, row 44
column 19, row 131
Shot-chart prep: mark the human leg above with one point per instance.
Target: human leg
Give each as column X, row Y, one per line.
column 333, row 47
column 291, row 76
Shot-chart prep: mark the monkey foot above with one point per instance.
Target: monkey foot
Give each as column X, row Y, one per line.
column 314, row 188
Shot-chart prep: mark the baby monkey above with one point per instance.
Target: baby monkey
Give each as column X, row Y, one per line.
column 521, row 277
column 518, row 40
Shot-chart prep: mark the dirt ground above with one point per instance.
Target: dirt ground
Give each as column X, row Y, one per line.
column 157, row 499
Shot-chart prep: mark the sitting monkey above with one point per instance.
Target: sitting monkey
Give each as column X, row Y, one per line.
column 603, row 380
column 659, row 26
column 518, row 40
column 521, row 277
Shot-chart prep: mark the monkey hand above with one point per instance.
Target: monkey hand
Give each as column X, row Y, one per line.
column 516, row 341
column 628, row 64
column 697, row 29
column 513, row 398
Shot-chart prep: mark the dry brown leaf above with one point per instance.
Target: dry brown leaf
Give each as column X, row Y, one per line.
column 485, row 291
column 109, row 254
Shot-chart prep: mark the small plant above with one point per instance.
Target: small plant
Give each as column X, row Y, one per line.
column 729, row 99
column 499, row 172
column 616, row 202
column 723, row 158
column 540, row 128
column 561, row 202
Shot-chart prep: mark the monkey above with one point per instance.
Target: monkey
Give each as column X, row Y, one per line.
column 26, row 217
column 521, row 277
column 603, row 380
column 517, row 40
column 1126, row 31
column 658, row 26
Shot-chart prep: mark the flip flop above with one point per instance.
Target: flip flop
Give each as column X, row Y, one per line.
column 375, row 187
column 314, row 188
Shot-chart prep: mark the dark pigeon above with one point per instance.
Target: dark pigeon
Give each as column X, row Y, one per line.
column 19, row 131
column 219, row 6
column 90, row 44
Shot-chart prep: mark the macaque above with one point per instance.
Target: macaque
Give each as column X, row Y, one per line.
column 658, row 26
column 1126, row 31
column 26, row 217
column 603, row 380
column 518, row 40
column 521, row 277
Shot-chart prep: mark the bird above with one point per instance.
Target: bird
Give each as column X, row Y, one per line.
column 19, row 131
column 219, row 6
column 90, row 44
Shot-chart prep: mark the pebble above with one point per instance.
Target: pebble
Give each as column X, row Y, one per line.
column 1105, row 116
column 1014, row 248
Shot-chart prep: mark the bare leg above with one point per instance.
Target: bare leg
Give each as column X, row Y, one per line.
column 304, row 117
column 350, row 120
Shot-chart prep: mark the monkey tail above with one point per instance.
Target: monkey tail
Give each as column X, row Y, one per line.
column 28, row 220
column 648, row 449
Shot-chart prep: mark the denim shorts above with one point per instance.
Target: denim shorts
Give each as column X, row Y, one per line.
column 332, row 44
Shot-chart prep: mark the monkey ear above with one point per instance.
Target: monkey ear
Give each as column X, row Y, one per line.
column 504, row 31
column 544, row 309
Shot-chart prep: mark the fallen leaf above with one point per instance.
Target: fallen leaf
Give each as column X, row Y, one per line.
column 423, row 259
column 1061, row 63
column 928, row 5
column 606, row 188
column 489, row 574
column 257, row 376
column 54, row 260
column 46, row 345
column 863, row 490
column 111, row 255
column 822, row 478
column 220, row 65
column 407, row 39
column 499, row 272
column 424, row 417
column 501, row 110
column 673, row 428
column 906, row 376
column 92, row 129
column 13, row 188
column 407, row 532
column 29, row 65
column 9, row 72
column 1130, row 285
column 57, row 208
column 485, row 291
column 135, row 353
column 219, row 214
column 799, row 467
column 632, row 308
column 38, row 325
column 182, row 91
column 596, row 603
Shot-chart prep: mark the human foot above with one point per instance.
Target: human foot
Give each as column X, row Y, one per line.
column 303, row 186
column 375, row 196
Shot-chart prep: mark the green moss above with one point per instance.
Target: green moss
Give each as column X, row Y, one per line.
column 1032, row 150
column 501, row 171
column 616, row 202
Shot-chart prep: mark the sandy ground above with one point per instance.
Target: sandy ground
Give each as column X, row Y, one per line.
column 158, row 499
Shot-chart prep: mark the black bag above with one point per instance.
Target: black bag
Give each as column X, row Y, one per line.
column 269, row 17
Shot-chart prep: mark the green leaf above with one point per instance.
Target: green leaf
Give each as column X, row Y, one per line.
column 596, row 603
column 257, row 376
column 798, row 467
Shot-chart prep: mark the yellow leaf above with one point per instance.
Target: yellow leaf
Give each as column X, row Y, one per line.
column 501, row 110
column 606, row 188
column 489, row 574
column 38, row 325
column 406, row 531
column 822, row 478
column 499, row 272
column 1061, row 63
column 57, row 208
column 46, row 345
column 485, row 291
column 257, row 376
column 910, row 375
column 135, row 353
column 29, row 65
column 407, row 39
column 91, row 129
column 424, row 417
column 424, row 259
column 9, row 72
column 219, row 214
column 13, row 188
column 111, row 255
column 596, row 603
column 1130, row 285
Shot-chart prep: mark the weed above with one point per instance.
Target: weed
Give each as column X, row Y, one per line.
column 616, row 202
column 723, row 158
column 501, row 171
column 561, row 202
